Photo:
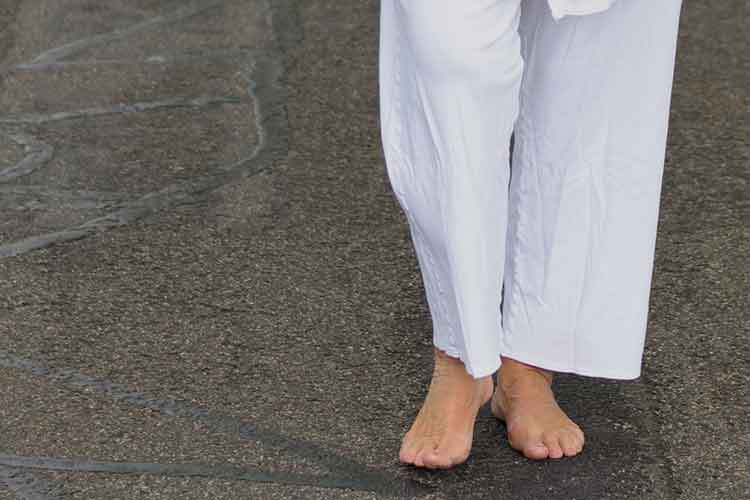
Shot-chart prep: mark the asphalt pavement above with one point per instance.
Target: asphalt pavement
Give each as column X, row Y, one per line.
column 207, row 289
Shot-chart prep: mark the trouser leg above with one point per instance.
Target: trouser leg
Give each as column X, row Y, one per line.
column 450, row 73
column 585, row 186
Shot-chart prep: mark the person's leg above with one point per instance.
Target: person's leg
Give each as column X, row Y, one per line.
column 585, row 191
column 450, row 73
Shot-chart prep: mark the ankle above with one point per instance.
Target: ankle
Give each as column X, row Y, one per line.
column 514, row 372
column 450, row 368
column 446, row 364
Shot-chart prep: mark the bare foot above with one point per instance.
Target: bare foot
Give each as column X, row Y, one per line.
column 442, row 434
column 537, row 427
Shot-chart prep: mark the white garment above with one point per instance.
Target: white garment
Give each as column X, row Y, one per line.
column 562, row 8
column 569, row 237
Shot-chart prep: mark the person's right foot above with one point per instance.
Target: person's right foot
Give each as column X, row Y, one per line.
column 442, row 434
column 537, row 427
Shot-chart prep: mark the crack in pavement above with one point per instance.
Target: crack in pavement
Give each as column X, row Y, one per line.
column 270, row 120
column 28, row 487
column 38, row 154
column 138, row 107
column 164, row 58
column 349, row 472
column 33, row 197
column 268, row 97
column 227, row 472
column 58, row 53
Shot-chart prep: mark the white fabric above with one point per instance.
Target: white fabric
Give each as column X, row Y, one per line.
column 562, row 8
column 569, row 236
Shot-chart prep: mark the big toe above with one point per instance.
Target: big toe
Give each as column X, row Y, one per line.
column 536, row 451
column 410, row 448
column 437, row 459
column 424, row 453
column 407, row 454
column 530, row 444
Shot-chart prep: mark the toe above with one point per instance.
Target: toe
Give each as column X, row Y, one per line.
column 418, row 460
column 581, row 438
column 425, row 450
column 552, row 442
column 578, row 437
column 437, row 459
column 406, row 455
column 530, row 445
column 409, row 449
column 536, row 451
column 570, row 443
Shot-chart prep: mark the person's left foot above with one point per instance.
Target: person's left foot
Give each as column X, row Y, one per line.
column 537, row 427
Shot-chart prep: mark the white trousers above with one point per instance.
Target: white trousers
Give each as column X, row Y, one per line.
column 548, row 262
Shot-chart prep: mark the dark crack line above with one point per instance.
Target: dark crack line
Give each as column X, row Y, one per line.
column 38, row 153
column 348, row 471
column 27, row 486
column 154, row 59
column 138, row 107
column 268, row 99
column 227, row 472
column 48, row 239
column 77, row 46
column 44, row 197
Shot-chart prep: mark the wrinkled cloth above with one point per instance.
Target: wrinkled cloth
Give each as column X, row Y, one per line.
column 549, row 261
column 562, row 8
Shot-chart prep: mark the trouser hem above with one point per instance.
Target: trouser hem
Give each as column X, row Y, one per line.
column 476, row 370
column 555, row 365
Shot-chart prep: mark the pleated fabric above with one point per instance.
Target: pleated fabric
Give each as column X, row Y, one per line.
column 549, row 262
